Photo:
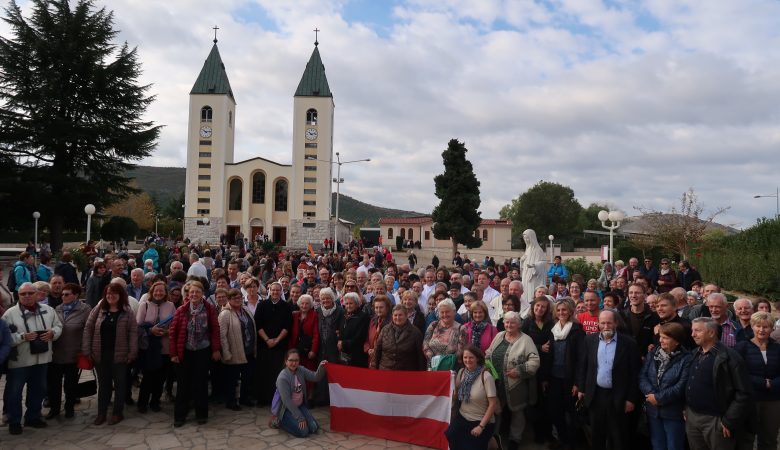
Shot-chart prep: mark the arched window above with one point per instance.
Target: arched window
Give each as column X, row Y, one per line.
column 311, row 117
column 389, row 233
column 484, row 235
column 403, row 233
column 476, row 234
column 234, row 201
column 280, row 196
column 258, row 188
column 230, row 119
column 410, row 234
column 205, row 114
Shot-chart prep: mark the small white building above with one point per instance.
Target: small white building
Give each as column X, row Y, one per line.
column 496, row 234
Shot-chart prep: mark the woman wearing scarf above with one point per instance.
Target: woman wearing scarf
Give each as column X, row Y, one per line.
column 479, row 330
column 667, row 277
column 353, row 332
column 73, row 314
column 538, row 326
column 331, row 316
column 413, row 312
column 399, row 345
column 153, row 318
column 565, row 350
column 382, row 307
column 194, row 337
column 662, row 381
column 475, row 396
column 514, row 356
column 111, row 340
column 444, row 336
column 238, row 338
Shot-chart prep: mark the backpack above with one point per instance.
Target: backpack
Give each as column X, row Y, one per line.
column 12, row 280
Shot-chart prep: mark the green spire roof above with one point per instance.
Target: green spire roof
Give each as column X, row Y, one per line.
column 313, row 82
column 213, row 78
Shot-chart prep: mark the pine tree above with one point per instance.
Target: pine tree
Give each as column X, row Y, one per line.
column 71, row 110
column 457, row 216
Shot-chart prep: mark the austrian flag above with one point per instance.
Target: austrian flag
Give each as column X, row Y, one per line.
column 411, row 407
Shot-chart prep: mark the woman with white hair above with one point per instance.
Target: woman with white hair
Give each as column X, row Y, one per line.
column 330, row 316
column 305, row 334
column 353, row 332
column 516, row 359
column 444, row 338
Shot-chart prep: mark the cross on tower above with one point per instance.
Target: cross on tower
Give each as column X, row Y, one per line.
column 215, row 33
column 316, row 41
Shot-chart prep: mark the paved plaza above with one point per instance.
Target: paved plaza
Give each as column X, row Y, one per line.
column 225, row 430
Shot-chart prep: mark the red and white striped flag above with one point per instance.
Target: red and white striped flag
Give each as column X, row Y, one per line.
column 402, row 406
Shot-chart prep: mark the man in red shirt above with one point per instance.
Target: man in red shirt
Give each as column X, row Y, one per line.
column 590, row 318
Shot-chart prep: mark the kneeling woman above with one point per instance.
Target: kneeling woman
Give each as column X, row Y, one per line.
column 294, row 416
column 475, row 391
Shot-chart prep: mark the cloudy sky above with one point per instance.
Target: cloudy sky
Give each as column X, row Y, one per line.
column 627, row 102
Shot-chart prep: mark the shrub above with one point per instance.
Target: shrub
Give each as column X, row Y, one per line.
column 581, row 266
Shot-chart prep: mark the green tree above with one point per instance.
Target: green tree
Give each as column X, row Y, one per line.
column 174, row 208
column 456, row 217
column 71, row 111
column 547, row 208
column 119, row 227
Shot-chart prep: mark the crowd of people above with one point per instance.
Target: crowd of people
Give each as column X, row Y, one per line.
column 586, row 363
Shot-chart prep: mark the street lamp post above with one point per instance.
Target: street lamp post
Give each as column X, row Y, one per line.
column 552, row 249
column 338, row 180
column 776, row 196
column 614, row 217
column 89, row 210
column 36, row 216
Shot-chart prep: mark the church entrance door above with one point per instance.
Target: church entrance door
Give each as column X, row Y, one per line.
column 280, row 236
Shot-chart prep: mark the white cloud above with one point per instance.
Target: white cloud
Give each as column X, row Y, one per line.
column 628, row 103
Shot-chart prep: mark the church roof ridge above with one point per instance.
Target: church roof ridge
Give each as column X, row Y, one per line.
column 313, row 82
column 213, row 78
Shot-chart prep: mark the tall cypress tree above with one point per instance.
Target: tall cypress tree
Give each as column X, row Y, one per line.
column 457, row 216
column 71, row 112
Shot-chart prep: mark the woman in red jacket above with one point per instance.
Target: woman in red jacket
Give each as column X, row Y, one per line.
column 305, row 335
column 194, row 337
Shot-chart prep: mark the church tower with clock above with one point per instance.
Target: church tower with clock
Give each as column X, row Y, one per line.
column 289, row 204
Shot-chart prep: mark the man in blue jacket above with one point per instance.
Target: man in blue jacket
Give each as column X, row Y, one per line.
column 557, row 268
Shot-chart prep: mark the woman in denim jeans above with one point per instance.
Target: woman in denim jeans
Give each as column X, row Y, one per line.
column 294, row 416
column 662, row 381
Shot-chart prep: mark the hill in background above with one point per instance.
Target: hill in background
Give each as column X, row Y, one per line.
column 166, row 183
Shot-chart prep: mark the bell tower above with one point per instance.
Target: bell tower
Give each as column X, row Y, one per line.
column 210, row 143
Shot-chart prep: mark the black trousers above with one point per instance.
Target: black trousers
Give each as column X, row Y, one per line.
column 607, row 423
column 152, row 383
column 55, row 374
column 192, row 379
column 270, row 362
column 560, row 407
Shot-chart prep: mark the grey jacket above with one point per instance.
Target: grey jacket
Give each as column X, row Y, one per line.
column 284, row 384
column 69, row 344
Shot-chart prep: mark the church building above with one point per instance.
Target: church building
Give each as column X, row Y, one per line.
column 290, row 203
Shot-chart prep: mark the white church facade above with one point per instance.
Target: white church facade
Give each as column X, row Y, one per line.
column 290, row 203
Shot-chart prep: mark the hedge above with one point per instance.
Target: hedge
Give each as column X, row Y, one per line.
column 746, row 262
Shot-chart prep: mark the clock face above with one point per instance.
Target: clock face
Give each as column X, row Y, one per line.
column 311, row 134
column 205, row 131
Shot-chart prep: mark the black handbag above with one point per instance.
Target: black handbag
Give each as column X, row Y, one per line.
column 86, row 388
column 304, row 345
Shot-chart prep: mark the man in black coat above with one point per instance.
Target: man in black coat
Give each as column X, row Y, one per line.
column 608, row 382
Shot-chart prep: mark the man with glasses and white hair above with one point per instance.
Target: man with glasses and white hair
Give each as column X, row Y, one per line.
column 33, row 327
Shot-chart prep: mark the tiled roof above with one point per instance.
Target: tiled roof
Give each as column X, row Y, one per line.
column 313, row 82
column 426, row 219
column 212, row 78
column 404, row 220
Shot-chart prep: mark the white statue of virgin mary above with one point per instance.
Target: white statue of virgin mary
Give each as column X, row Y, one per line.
column 534, row 265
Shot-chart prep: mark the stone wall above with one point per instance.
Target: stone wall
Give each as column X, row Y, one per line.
column 200, row 233
column 299, row 237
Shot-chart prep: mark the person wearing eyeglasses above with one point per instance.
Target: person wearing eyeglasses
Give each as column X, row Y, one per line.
column 666, row 278
column 73, row 314
column 293, row 415
column 33, row 327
